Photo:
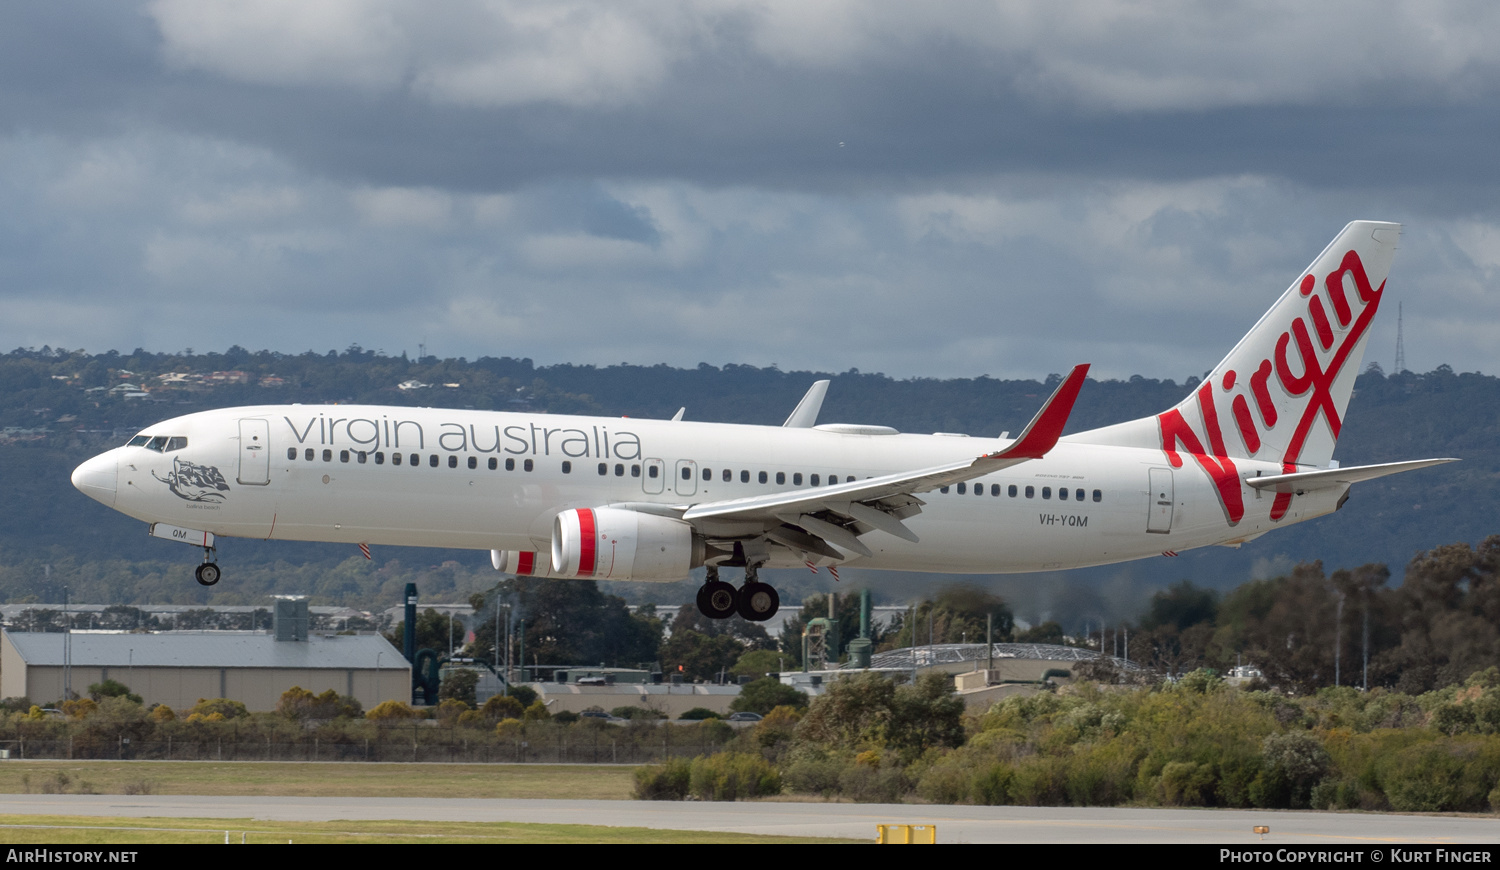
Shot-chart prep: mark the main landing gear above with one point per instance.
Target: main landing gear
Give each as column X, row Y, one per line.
column 207, row 574
column 754, row 600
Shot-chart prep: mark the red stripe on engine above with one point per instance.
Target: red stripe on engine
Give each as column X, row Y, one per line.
column 525, row 562
column 587, row 546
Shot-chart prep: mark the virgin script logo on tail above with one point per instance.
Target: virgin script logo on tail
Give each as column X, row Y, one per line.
column 1305, row 376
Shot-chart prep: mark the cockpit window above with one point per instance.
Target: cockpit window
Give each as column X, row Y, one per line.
column 160, row 443
column 138, row 441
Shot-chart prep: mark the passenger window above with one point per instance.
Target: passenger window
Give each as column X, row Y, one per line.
column 763, row 477
column 728, row 475
column 603, row 468
column 527, row 465
column 635, row 470
column 781, row 477
column 1012, row 491
column 308, row 454
column 619, row 470
column 494, row 463
column 1030, row 492
column 1046, row 492
column 363, row 457
column 707, row 474
column 963, row 488
column 343, row 456
column 379, row 458
column 979, row 489
column 1078, row 495
column 745, row 477
column 687, row 473
column 473, row 462
column 797, row 479
column 413, row 460
column 567, row 467
column 432, row 460
column 395, row 459
column 995, row 489
column 510, row 464
column 1098, row 495
column 943, row 490
column 812, row 480
column 452, row 461
column 327, row 455
column 291, row 453
column 1062, row 493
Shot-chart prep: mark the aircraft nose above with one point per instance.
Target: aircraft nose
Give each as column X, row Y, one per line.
column 96, row 478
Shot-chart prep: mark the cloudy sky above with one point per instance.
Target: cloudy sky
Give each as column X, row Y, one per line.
column 919, row 189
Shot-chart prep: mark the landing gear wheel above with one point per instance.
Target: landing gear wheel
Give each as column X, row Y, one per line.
column 717, row 600
column 207, row 574
column 759, row 601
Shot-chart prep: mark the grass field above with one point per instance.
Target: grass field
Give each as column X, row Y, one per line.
column 534, row 781
column 77, row 831
column 255, row 778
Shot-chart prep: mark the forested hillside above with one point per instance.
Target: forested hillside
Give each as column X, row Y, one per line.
column 58, row 407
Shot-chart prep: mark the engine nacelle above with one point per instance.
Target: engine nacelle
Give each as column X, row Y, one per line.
column 523, row 563
column 618, row 544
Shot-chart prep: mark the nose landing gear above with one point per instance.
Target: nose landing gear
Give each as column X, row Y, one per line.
column 207, row 574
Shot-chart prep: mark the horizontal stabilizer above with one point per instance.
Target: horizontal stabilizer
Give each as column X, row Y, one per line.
column 1328, row 478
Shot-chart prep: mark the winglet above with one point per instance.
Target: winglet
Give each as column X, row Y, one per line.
column 1046, row 427
column 805, row 415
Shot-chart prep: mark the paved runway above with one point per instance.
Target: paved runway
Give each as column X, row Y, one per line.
column 858, row 821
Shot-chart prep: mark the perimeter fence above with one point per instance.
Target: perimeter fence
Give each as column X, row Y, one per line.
column 637, row 743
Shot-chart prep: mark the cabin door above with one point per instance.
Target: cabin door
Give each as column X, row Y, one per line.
column 1161, row 499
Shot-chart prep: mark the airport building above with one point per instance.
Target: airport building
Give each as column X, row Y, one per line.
column 177, row 668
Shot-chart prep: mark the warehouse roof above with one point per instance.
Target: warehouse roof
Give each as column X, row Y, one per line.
column 208, row 649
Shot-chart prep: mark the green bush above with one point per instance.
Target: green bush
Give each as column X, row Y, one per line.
column 663, row 782
column 729, row 776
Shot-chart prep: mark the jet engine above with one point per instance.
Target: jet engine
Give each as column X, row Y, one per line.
column 618, row 544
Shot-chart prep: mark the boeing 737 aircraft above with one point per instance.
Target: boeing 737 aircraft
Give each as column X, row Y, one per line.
column 1250, row 450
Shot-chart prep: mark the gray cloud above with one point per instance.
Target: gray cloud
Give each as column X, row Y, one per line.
column 948, row 191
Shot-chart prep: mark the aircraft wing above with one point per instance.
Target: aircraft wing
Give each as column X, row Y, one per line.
column 1327, row 478
column 838, row 514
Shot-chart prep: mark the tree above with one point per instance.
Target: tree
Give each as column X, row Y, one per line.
column 569, row 622
column 502, row 707
column 698, row 656
column 758, row 663
column 959, row 613
column 111, row 689
column 854, row 713
column 388, row 711
column 459, row 685
column 766, row 694
column 434, row 630
column 224, row 707
column 751, row 635
column 926, row 714
column 299, row 703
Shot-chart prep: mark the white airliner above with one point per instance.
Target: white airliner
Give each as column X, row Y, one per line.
column 1250, row 450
